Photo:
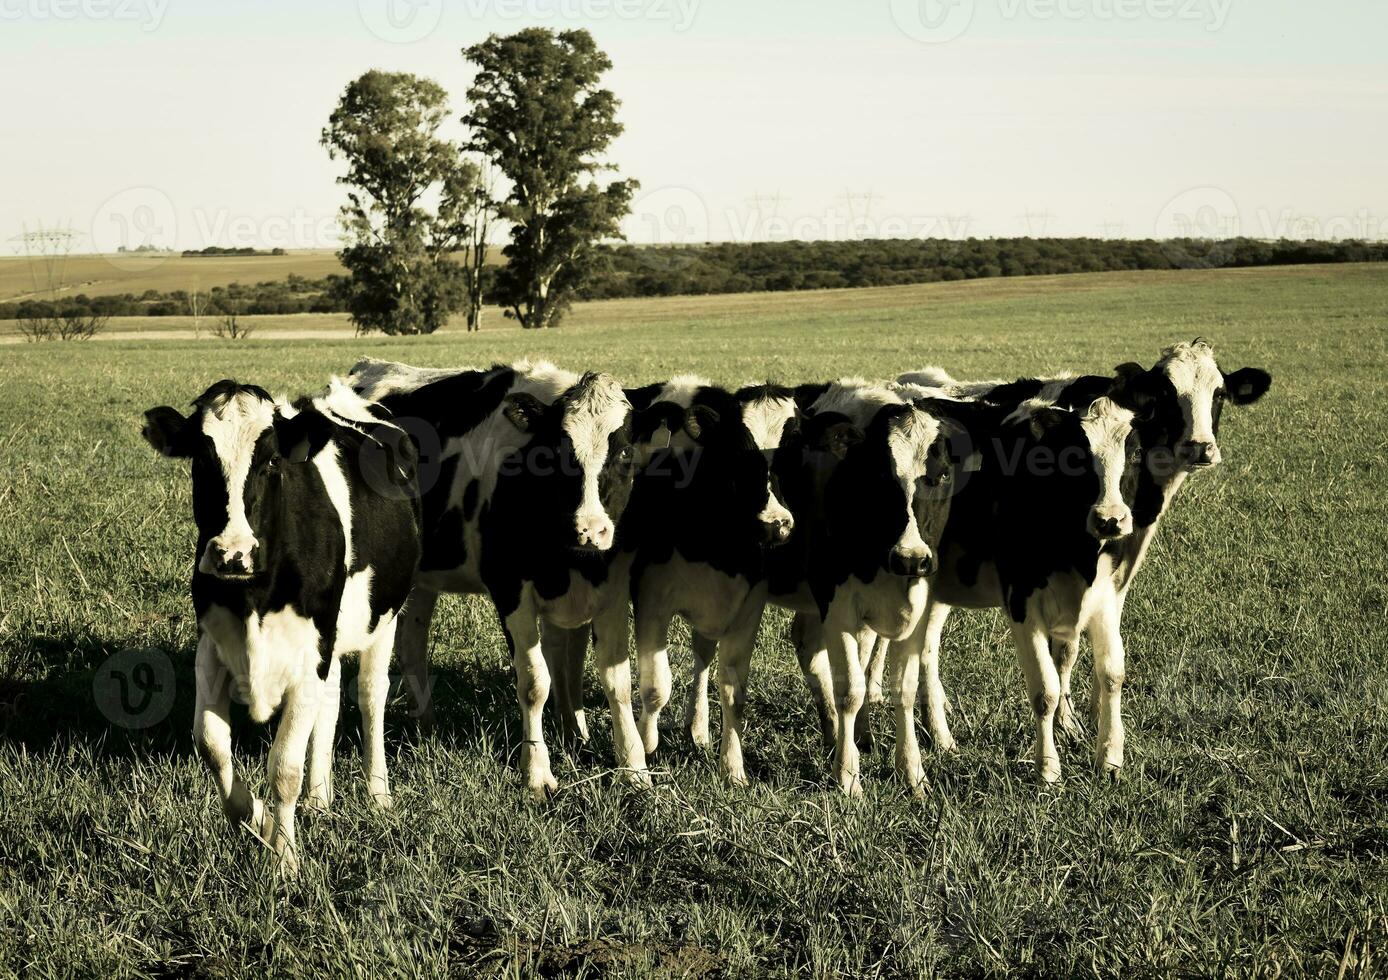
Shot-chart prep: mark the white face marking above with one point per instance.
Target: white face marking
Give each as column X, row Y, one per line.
column 909, row 442
column 1107, row 428
column 589, row 421
column 766, row 419
column 1193, row 372
column 234, row 425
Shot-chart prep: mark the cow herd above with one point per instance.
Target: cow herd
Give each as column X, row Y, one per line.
column 587, row 511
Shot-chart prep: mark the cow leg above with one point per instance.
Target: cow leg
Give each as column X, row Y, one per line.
column 1065, row 652
column 320, row 760
column 573, row 679
column 734, row 664
column 1109, row 672
column 412, row 645
column 807, row 633
column 653, row 673
column 868, row 642
column 878, row 647
column 532, row 691
column 932, row 692
column 564, row 650
column 705, row 652
column 1043, row 693
column 285, row 766
column 212, row 735
column 905, row 676
column 850, row 690
column 614, row 667
column 373, row 688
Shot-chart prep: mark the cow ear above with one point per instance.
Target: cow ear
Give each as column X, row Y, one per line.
column 302, row 436
column 523, row 410
column 833, row 433
column 1247, row 385
column 699, row 421
column 1044, row 419
column 163, row 430
column 1135, row 388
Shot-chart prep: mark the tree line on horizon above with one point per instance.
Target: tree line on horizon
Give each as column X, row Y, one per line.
column 633, row 271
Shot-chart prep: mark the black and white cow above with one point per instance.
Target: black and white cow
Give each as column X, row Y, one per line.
column 1182, row 398
column 871, row 499
column 531, row 468
column 705, row 507
column 308, row 537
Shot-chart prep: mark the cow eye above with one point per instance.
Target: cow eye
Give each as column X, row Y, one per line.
column 626, row 454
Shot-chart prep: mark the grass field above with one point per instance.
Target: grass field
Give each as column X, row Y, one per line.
column 1249, row 836
column 107, row 275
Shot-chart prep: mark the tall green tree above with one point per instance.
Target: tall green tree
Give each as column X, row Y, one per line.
column 408, row 202
column 539, row 113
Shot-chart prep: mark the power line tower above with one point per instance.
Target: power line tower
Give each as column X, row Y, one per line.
column 47, row 250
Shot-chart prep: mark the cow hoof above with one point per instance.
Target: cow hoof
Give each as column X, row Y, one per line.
column 1110, row 773
column 382, row 801
column 1048, row 770
column 851, row 785
column 650, row 741
column 700, row 740
column 736, row 777
column 638, row 778
column 288, row 863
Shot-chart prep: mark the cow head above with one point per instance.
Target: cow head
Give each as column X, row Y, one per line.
column 240, row 443
column 771, row 426
column 1188, row 390
column 1099, row 443
column 581, row 445
column 888, row 491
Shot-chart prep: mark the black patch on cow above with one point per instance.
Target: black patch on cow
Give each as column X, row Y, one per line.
column 470, row 499
column 454, row 405
column 702, row 504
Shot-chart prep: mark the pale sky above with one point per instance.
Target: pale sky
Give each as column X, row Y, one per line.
column 189, row 123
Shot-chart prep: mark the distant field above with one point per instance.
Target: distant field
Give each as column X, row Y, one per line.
column 1248, row 838
column 106, row 275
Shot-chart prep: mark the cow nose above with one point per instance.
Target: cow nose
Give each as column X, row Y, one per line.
column 235, row 559
column 1107, row 525
column 911, row 562
column 595, row 532
column 776, row 530
column 1199, row 452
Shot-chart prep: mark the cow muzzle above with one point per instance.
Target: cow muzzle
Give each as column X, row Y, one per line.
column 776, row 525
column 228, row 559
column 1110, row 523
column 595, row 532
column 1198, row 454
column 911, row 562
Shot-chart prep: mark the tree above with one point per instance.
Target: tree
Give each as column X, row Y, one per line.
column 386, row 128
column 478, row 213
column 538, row 112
